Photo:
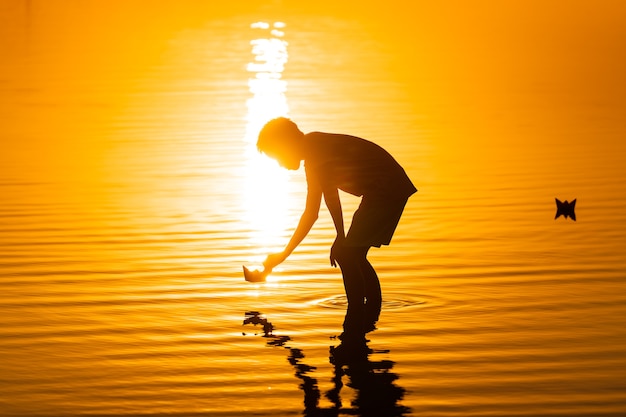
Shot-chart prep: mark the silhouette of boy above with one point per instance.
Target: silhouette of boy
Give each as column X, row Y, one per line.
column 336, row 162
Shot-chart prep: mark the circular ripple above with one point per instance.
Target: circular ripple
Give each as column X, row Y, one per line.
column 389, row 303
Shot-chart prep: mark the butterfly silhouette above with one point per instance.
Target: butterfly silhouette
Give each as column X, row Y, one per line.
column 565, row 209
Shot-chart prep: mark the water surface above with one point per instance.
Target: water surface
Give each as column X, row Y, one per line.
column 132, row 195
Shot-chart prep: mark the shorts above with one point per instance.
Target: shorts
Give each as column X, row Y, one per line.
column 375, row 221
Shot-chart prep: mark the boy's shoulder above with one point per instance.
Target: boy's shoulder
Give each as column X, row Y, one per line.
column 318, row 135
column 338, row 139
column 323, row 145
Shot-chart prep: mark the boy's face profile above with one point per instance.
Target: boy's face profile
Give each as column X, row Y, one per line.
column 285, row 159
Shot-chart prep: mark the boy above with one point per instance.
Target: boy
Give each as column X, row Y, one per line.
column 336, row 162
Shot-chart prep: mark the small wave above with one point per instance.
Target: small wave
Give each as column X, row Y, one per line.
column 389, row 303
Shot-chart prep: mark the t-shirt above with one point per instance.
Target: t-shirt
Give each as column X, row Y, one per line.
column 354, row 165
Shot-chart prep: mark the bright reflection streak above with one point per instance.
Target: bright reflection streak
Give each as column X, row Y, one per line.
column 266, row 194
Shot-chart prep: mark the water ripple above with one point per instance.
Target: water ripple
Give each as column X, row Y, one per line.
column 389, row 303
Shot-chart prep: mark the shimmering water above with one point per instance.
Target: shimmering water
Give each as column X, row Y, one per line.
column 132, row 195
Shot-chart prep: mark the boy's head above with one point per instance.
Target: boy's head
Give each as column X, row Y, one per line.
column 280, row 139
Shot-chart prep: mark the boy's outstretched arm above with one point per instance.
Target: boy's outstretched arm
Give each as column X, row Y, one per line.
column 308, row 218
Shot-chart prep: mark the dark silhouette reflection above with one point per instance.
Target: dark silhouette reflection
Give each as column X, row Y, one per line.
column 565, row 209
column 372, row 380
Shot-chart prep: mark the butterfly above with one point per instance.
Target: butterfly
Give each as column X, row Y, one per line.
column 565, row 209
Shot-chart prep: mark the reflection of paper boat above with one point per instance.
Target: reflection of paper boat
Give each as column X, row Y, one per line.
column 255, row 276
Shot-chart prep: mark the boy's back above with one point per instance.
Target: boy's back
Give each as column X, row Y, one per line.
column 355, row 165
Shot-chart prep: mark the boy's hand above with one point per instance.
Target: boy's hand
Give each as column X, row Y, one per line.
column 335, row 249
column 273, row 260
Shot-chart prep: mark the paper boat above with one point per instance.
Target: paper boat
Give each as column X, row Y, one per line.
column 255, row 276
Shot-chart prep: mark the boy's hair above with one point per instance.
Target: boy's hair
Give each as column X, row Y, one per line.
column 276, row 134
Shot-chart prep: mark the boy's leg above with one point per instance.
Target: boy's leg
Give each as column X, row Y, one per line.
column 373, row 293
column 354, row 283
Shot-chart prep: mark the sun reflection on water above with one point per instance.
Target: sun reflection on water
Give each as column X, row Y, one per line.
column 266, row 194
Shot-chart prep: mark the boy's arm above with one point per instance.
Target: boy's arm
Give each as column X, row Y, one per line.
column 331, row 197
column 308, row 218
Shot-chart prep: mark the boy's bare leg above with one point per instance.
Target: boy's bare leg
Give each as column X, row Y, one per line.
column 359, row 279
column 373, row 293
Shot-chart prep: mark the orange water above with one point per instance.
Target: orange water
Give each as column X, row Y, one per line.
column 132, row 195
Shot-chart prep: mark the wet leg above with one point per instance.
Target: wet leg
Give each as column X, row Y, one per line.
column 373, row 293
column 354, row 284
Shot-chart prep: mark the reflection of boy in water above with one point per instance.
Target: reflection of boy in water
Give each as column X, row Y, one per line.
column 336, row 162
